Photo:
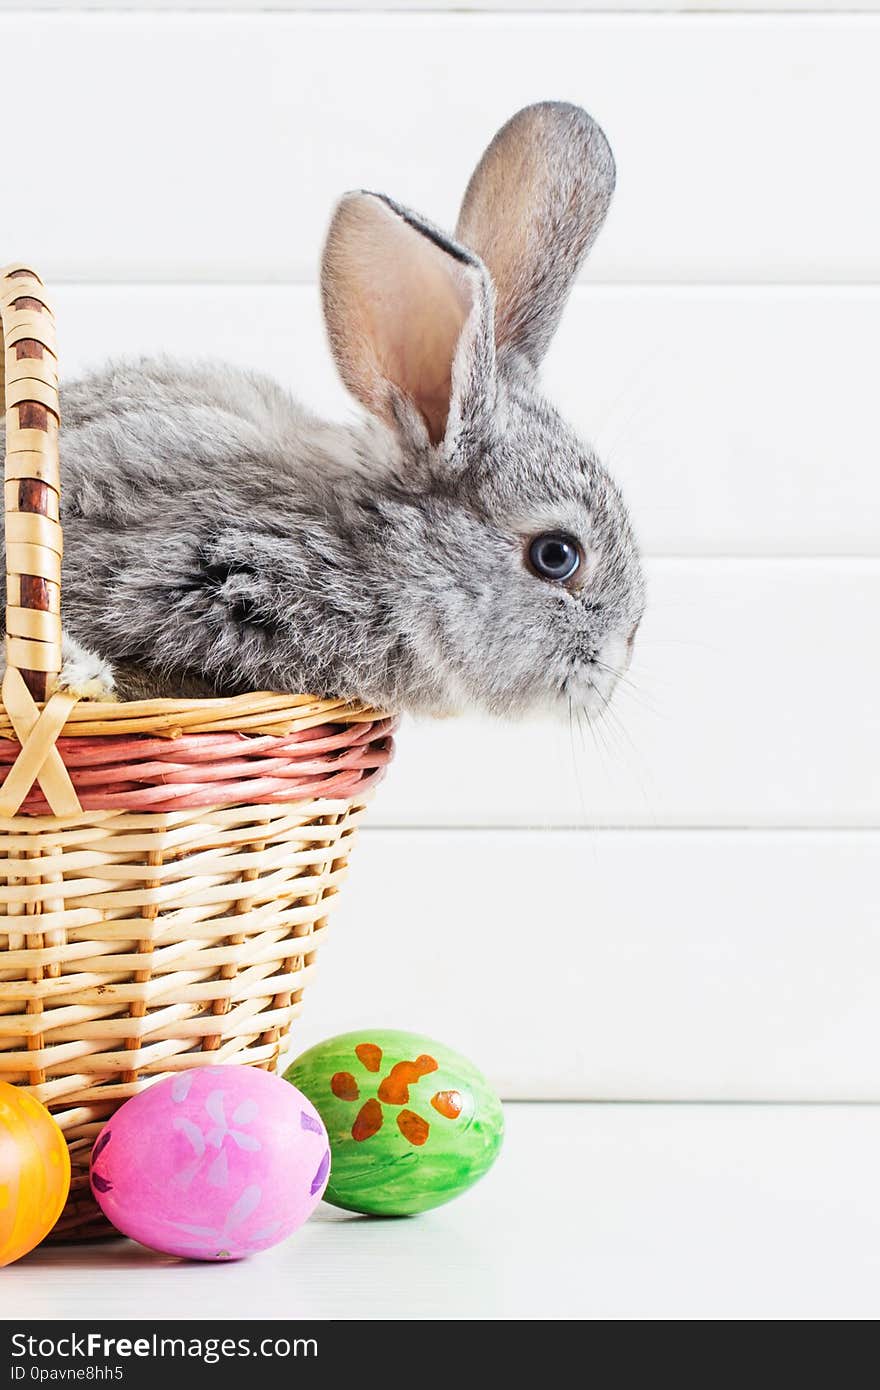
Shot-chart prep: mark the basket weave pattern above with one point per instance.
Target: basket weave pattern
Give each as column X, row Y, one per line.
column 166, row 867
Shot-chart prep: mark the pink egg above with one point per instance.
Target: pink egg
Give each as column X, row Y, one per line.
column 212, row 1164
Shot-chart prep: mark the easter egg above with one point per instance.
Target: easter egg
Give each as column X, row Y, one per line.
column 34, row 1172
column 411, row 1123
column 212, row 1164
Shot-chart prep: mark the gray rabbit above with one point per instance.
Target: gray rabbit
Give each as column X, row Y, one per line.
column 458, row 548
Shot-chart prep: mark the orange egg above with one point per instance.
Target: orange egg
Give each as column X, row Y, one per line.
column 34, row 1172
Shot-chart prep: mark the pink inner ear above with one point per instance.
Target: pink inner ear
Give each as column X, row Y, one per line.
column 419, row 322
column 396, row 306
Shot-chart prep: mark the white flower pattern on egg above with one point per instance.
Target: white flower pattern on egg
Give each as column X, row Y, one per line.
column 215, row 1105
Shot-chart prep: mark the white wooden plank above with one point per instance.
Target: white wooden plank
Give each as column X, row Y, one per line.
column 602, row 1212
column 754, row 700
column 618, row 965
column 742, row 667
column 427, row 7
column 739, row 421
column 180, row 146
column 753, row 703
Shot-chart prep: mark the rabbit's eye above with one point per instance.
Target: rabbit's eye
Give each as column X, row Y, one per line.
column 556, row 557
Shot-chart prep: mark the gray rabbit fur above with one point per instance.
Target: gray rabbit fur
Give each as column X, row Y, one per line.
column 219, row 538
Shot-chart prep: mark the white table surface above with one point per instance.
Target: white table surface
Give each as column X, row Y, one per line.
column 592, row 1211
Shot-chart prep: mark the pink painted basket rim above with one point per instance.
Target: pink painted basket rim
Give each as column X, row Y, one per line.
column 141, row 773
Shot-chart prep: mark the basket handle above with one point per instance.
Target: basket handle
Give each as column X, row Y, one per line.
column 29, row 384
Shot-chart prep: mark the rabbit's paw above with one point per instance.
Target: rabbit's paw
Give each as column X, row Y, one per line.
column 84, row 673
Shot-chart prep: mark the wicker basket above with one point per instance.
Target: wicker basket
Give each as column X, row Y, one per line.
column 167, row 866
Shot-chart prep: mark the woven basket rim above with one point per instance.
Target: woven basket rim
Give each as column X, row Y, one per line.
column 208, row 770
column 258, row 712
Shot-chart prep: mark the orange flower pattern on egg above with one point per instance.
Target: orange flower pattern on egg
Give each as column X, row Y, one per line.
column 393, row 1090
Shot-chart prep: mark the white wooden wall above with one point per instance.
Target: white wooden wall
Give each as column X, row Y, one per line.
column 687, row 907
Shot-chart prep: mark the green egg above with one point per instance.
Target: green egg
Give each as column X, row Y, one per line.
column 411, row 1123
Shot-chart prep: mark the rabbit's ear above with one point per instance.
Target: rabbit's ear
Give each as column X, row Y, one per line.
column 532, row 210
column 409, row 315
